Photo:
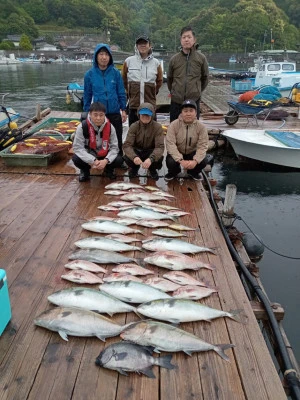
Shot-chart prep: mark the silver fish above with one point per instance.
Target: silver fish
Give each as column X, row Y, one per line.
column 143, row 213
column 164, row 337
column 116, row 277
column 132, row 292
column 109, row 226
column 162, row 284
column 179, row 227
column 161, row 244
column 193, row 292
column 144, row 203
column 178, row 213
column 86, row 266
column 101, row 256
column 128, row 357
column 115, row 192
column 164, row 194
column 119, row 203
column 176, row 261
column 102, row 243
column 152, row 188
column 183, row 279
column 75, row 322
column 82, row 277
column 89, row 299
column 108, row 208
column 181, row 310
column 132, row 269
column 143, row 196
column 123, row 238
column 167, row 233
column 153, row 207
column 123, row 186
column 152, row 224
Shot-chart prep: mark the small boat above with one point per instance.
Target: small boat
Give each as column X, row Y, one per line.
column 281, row 74
column 7, row 114
column 232, row 59
column 278, row 147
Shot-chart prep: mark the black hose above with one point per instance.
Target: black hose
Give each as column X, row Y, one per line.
column 289, row 373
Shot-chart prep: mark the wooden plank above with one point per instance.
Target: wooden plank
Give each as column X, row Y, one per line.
column 260, row 312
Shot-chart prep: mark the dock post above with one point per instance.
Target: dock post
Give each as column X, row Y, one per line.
column 38, row 112
column 228, row 210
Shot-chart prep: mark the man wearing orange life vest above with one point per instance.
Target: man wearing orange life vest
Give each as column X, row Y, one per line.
column 96, row 144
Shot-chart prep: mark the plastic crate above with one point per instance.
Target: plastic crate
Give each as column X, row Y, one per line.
column 5, row 310
column 241, row 86
column 50, row 125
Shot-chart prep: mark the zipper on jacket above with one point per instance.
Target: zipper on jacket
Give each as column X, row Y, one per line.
column 105, row 91
column 186, row 72
column 187, row 136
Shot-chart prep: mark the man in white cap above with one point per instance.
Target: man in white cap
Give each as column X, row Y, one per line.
column 144, row 144
column 142, row 76
column 187, row 144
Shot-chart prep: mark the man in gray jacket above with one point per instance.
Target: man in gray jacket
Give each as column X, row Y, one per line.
column 96, row 144
column 187, row 74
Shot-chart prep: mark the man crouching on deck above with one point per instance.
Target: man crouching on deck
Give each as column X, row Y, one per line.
column 187, row 144
column 96, row 145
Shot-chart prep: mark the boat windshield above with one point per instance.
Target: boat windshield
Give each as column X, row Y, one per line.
column 288, row 67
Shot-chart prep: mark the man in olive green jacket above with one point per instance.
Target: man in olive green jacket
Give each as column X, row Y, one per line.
column 187, row 75
column 144, row 144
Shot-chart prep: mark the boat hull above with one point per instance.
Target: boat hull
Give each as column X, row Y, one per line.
column 257, row 145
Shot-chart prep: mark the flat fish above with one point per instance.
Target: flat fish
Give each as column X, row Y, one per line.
column 132, row 269
column 103, row 243
column 82, row 277
column 109, row 227
column 162, row 284
column 183, row 279
column 193, row 292
column 75, row 322
column 162, row 244
column 101, row 256
column 123, row 238
column 167, row 233
column 115, row 277
column 128, row 357
column 86, row 266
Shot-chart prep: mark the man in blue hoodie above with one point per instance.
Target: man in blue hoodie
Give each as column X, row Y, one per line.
column 103, row 83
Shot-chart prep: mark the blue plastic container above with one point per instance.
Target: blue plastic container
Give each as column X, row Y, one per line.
column 5, row 310
column 241, row 86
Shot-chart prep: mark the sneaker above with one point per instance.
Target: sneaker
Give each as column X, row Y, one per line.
column 196, row 177
column 154, row 175
column 133, row 173
column 110, row 174
column 169, row 176
column 84, row 176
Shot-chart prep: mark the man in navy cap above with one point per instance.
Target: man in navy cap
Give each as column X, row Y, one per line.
column 142, row 76
column 187, row 144
column 144, row 144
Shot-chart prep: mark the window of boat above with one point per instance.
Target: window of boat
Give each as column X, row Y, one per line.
column 274, row 67
column 287, row 67
column 262, row 68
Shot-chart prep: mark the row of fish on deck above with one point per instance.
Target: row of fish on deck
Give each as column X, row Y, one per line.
column 79, row 311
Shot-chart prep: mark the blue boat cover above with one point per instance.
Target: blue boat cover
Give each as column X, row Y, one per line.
column 289, row 139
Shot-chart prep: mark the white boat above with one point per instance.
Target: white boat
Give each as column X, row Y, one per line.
column 232, row 59
column 281, row 74
column 279, row 147
column 10, row 60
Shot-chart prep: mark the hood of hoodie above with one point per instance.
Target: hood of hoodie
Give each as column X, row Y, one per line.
column 97, row 49
column 149, row 106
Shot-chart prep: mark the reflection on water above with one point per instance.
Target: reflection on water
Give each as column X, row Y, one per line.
column 267, row 199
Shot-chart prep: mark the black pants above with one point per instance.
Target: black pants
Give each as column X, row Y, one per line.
column 116, row 121
column 83, row 166
column 133, row 116
column 175, row 110
column 174, row 167
column 143, row 154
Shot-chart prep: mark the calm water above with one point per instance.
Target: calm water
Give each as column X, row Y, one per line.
column 268, row 200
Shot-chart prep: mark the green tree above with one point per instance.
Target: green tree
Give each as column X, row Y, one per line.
column 25, row 43
column 7, row 45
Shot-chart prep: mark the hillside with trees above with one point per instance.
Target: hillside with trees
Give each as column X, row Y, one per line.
column 227, row 25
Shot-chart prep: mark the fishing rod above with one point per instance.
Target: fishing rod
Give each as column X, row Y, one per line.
column 289, row 373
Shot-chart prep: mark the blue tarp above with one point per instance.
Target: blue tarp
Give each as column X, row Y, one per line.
column 288, row 138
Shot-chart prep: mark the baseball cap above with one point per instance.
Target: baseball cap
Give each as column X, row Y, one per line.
column 189, row 103
column 145, row 111
column 142, row 37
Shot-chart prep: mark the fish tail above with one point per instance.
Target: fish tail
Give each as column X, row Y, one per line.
column 165, row 362
column 234, row 314
column 219, row 348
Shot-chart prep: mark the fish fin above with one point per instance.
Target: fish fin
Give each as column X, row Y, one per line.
column 156, row 350
column 189, row 353
column 109, row 313
column 148, row 372
column 63, row 335
column 165, row 362
column 234, row 314
column 121, row 356
column 101, row 337
column 139, row 314
column 219, row 348
column 121, row 371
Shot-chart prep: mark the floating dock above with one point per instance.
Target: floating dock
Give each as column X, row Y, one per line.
column 42, row 209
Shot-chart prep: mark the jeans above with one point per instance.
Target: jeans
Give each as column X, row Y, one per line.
column 174, row 167
column 83, row 166
column 175, row 110
column 143, row 154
